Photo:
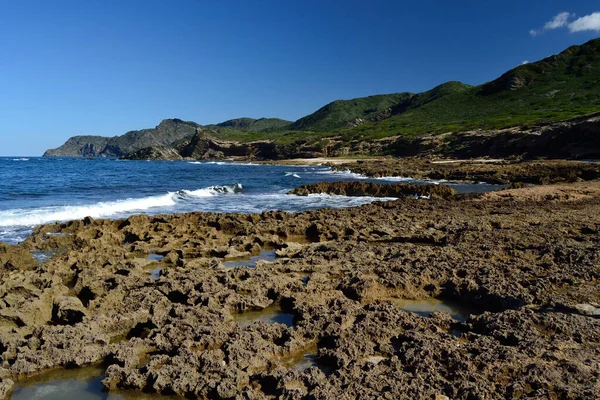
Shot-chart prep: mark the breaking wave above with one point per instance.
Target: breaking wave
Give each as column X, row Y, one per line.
column 37, row 216
column 221, row 163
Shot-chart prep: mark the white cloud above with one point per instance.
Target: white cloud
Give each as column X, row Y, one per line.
column 588, row 23
column 525, row 62
column 559, row 21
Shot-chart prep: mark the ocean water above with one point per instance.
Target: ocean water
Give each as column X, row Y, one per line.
column 38, row 190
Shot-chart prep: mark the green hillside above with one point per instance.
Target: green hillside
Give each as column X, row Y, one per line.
column 420, row 99
column 559, row 87
column 164, row 134
column 251, row 124
column 339, row 113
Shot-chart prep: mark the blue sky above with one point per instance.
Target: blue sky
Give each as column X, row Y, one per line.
column 106, row 67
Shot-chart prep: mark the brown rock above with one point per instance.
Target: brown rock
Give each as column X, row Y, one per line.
column 375, row 189
column 15, row 257
column 68, row 310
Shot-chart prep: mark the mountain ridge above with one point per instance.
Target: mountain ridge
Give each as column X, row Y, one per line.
column 557, row 88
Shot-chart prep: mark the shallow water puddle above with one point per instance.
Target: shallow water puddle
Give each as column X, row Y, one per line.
column 302, row 275
column 301, row 359
column 424, row 307
column 267, row 255
column 269, row 315
column 155, row 257
column 156, row 272
column 306, row 361
column 41, row 256
column 305, row 279
column 73, row 384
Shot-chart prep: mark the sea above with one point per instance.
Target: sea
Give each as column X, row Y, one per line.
column 41, row 190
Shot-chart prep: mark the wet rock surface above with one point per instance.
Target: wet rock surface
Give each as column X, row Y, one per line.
column 375, row 189
column 529, row 266
column 490, row 171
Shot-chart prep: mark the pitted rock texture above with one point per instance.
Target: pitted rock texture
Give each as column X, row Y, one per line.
column 526, row 264
column 375, row 189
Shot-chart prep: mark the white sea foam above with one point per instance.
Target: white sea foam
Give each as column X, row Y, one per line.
column 31, row 217
column 196, row 193
column 21, row 159
column 221, row 163
column 293, row 174
column 343, row 200
column 394, row 178
column 212, row 190
column 354, row 175
column 344, row 174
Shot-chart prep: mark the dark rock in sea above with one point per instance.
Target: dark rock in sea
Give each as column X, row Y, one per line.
column 375, row 189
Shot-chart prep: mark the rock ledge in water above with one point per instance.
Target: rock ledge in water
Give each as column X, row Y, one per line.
column 375, row 189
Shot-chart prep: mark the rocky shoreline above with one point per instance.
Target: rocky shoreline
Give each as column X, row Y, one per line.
column 375, row 189
column 526, row 261
column 174, row 139
column 489, row 171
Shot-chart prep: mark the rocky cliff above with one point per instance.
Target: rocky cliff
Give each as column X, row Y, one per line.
column 86, row 146
column 573, row 139
column 203, row 146
column 576, row 138
column 170, row 132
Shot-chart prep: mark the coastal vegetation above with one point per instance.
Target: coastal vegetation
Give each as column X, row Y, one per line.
column 557, row 88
